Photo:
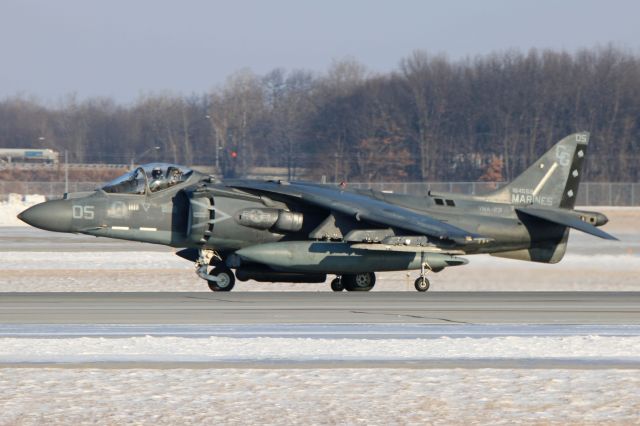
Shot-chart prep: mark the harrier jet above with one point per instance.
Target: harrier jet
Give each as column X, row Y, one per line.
column 278, row 231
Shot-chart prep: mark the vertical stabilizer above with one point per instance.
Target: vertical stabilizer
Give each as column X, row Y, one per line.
column 553, row 180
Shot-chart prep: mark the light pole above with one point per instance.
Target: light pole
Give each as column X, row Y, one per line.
column 66, row 166
column 217, row 148
column 142, row 154
column 66, row 171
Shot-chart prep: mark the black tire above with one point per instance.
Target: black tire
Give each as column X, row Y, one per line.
column 359, row 282
column 228, row 280
column 422, row 284
column 336, row 284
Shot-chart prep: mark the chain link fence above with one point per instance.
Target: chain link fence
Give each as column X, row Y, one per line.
column 590, row 193
column 51, row 190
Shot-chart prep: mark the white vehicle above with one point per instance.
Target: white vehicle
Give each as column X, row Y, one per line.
column 29, row 155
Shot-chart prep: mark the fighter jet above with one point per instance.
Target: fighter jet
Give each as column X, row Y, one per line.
column 279, row 231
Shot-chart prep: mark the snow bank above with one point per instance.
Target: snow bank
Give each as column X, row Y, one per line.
column 341, row 396
column 15, row 204
column 230, row 349
column 164, row 271
column 144, row 260
column 371, row 331
column 95, row 260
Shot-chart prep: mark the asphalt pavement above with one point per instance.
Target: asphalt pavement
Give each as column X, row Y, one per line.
column 322, row 308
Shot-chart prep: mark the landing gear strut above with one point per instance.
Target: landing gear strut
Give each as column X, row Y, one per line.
column 422, row 284
column 220, row 278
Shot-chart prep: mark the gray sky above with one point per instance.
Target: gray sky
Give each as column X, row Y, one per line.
column 125, row 48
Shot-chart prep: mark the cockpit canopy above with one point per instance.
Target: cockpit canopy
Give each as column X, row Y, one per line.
column 154, row 176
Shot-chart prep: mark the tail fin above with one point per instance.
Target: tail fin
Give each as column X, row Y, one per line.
column 553, row 180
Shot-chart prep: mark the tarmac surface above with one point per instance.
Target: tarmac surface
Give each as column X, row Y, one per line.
column 322, row 308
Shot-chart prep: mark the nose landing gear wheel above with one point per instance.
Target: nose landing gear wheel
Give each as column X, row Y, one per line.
column 359, row 282
column 226, row 279
column 336, row 284
column 422, row 284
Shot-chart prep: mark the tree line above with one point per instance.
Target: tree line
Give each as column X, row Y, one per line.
column 430, row 119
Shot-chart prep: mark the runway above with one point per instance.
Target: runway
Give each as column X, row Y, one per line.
column 489, row 353
column 322, row 308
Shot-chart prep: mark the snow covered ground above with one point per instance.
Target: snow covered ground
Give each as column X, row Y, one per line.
column 277, row 380
column 158, row 271
column 338, row 396
column 313, row 374
column 15, row 204
column 150, row 349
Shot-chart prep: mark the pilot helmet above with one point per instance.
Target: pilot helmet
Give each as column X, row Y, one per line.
column 156, row 173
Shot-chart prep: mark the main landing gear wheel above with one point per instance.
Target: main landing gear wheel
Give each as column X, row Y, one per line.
column 359, row 282
column 226, row 279
column 422, row 284
column 336, row 284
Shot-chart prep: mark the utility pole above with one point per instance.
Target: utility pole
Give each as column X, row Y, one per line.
column 66, row 171
column 66, row 166
column 216, row 138
column 217, row 154
column 142, row 154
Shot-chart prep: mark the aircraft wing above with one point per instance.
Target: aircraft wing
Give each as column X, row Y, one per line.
column 362, row 207
column 566, row 218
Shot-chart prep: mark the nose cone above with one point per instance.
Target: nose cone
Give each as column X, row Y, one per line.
column 51, row 216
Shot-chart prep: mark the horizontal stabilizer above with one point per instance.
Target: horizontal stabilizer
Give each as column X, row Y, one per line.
column 566, row 218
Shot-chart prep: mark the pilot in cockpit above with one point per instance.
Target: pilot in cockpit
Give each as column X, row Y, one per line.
column 157, row 180
column 175, row 176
